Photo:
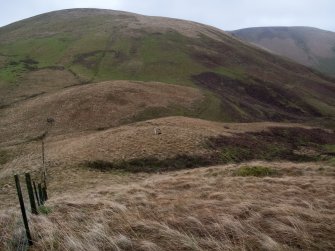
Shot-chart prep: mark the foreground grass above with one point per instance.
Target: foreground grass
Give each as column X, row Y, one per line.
column 200, row 209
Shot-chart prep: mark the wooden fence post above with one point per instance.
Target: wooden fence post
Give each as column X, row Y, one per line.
column 36, row 194
column 23, row 210
column 45, row 190
column 44, row 171
column 45, row 193
column 40, row 192
column 31, row 194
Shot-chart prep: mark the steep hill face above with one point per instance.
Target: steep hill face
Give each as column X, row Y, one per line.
column 309, row 46
column 46, row 53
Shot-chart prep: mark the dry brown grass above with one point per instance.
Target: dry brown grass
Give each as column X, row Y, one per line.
column 89, row 107
column 180, row 135
column 36, row 83
column 200, row 209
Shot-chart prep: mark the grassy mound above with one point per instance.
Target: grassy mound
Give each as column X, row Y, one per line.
column 294, row 144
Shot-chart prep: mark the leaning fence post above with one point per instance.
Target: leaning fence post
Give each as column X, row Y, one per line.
column 31, row 194
column 23, row 210
column 36, row 194
column 40, row 192
column 45, row 193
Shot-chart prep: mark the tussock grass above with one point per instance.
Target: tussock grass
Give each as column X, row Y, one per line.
column 188, row 210
column 195, row 209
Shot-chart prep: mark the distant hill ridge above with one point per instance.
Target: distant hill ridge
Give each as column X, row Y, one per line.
column 306, row 45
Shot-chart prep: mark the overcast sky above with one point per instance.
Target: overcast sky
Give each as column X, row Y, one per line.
column 225, row 14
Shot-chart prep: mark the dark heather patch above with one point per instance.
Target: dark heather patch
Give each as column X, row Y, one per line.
column 152, row 164
column 257, row 99
column 91, row 59
column 274, row 144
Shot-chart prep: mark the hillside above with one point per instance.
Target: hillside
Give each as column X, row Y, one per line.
column 44, row 54
column 94, row 107
column 309, row 46
column 183, row 143
column 125, row 188
column 166, row 135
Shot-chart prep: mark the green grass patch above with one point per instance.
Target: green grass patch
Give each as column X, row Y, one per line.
column 88, row 43
column 233, row 73
column 85, row 75
column 48, row 51
column 331, row 161
column 209, row 108
column 44, row 210
column 233, row 154
column 166, row 58
column 152, row 57
column 256, row 171
column 322, row 107
column 330, row 148
column 13, row 70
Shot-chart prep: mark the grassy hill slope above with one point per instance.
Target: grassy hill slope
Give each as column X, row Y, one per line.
column 183, row 143
column 109, row 79
column 97, row 202
column 96, row 107
column 89, row 45
column 309, row 46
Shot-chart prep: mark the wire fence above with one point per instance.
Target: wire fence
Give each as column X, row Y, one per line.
column 32, row 193
column 37, row 195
